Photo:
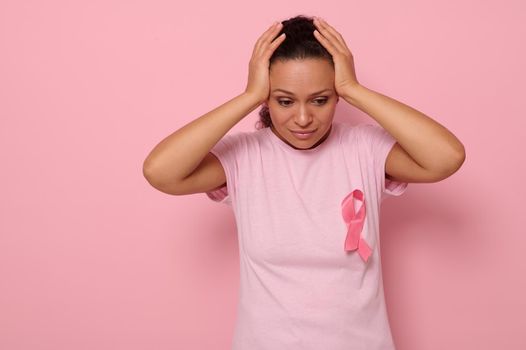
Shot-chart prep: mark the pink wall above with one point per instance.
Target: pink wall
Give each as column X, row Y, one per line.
column 92, row 257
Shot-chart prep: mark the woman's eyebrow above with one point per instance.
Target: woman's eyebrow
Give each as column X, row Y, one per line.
column 290, row 93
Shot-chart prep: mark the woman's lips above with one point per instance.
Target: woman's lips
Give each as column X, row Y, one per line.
column 303, row 135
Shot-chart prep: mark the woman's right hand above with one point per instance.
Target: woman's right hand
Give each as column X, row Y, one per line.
column 258, row 74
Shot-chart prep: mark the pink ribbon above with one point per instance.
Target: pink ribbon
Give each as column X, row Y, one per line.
column 355, row 221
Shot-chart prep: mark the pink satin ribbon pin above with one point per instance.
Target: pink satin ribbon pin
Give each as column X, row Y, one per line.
column 355, row 221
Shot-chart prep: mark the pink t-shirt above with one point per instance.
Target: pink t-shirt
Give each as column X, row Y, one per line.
column 299, row 287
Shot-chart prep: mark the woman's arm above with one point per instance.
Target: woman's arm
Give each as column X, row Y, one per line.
column 426, row 151
column 180, row 153
column 421, row 139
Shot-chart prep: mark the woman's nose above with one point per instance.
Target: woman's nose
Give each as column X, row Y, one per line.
column 303, row 117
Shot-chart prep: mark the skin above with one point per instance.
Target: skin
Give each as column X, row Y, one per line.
column 301, row 110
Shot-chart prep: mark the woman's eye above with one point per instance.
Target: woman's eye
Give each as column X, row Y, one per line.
column 284, row 101
column 319, row 101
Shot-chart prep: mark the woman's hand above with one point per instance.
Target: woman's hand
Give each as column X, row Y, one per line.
column 258, row 75
column 344, row 74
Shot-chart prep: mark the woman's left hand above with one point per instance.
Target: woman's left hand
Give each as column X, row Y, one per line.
column 344, row 74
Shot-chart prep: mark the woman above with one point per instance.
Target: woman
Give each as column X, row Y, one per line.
column 305, row 191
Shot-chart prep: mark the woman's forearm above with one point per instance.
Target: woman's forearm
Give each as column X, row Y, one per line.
column 429, row 143
column 180, row 153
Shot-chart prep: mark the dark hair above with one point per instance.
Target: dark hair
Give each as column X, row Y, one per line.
column 299, row 43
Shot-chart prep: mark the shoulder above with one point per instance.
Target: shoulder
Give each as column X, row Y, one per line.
column 239, row 141
column 236, row 138
column 367, row 133
column 354, row 132
column 344, row 127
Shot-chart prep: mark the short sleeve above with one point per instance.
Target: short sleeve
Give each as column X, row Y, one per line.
column 225, row 151
column 380, row 144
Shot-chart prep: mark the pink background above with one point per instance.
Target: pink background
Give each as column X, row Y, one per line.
column 92, row 257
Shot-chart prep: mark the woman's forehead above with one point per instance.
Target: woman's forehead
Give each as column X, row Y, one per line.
column 301, row 64
column 302, row 76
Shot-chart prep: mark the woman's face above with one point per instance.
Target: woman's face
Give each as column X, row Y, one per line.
column 302, row 98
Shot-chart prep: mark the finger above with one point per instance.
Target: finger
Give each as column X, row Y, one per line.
column 330, row 33
column 327, row 27
column 326, row 43
column 267, row 47
column 322, row 28
column 262, row 37
column 268, row 36
column 272, row 47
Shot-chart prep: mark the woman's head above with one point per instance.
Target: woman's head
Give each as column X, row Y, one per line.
column 302, row 94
